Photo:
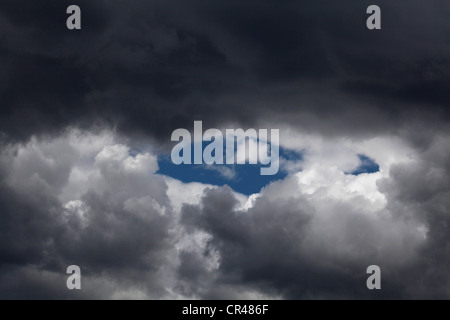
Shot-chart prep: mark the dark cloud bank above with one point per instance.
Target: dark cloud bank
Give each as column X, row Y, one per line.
column 145, row 68
column 152, row 66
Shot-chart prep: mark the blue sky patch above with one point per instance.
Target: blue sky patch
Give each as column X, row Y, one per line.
column 243, row 178
column 367, row 165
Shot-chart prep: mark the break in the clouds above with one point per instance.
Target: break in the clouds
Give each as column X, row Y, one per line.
column 85, row 123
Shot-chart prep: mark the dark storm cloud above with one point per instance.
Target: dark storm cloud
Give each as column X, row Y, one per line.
column 149, row 67
column 22, row 220
column 153, row 66
column 421, row 189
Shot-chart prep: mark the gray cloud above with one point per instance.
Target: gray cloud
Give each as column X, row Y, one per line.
column 121, row 220
column 284, row 247
column 85, row 199
column 145, row 68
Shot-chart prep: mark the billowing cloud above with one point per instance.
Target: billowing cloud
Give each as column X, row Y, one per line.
column 311, row 235
column 85, row 115
column 90, row 200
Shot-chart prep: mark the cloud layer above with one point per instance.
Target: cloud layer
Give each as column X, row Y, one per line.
column 88, row 200
column 149, row 67
column 85, row 115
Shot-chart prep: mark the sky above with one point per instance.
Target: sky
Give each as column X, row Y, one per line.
column 86, row 118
